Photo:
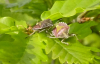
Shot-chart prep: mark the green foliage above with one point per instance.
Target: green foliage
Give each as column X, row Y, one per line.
column 68, row 8
column 72, row 53
column 16, row 47
column 7, row 21
column 94, row 42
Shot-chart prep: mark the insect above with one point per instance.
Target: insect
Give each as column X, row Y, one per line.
column 61, row 31
column 41, row 26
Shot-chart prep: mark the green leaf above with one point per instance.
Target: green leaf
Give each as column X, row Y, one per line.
column 14, row 44
column 92, row 40
column 30, row 7
column 37, row 42
column 21, row 23
column 12, row 50
column 81, row 30
column 7, row 24
column 9, row 29
column 17, row 49
column 98, row 27
column 68, row 8
column 8, row 21
column 72, row 53
column 6, row 37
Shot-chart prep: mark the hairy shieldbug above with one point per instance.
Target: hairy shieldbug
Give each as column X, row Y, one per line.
column 61, row 30
column 42, row 25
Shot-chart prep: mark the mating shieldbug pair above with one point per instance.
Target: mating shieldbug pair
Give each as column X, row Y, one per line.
column 60, row 31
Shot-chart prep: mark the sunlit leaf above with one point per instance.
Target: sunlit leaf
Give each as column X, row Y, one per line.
column 7, row 21
column 73, row 53
column 21, row 23
column 18, row 49
column 68, row 8
column 37, row 42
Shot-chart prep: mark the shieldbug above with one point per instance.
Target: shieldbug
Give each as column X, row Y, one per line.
column 42, row 25
column 61, row 31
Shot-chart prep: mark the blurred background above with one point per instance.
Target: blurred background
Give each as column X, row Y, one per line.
column 28, row 10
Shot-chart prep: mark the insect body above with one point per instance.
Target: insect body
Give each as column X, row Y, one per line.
column 43, row 24
column 61, row 30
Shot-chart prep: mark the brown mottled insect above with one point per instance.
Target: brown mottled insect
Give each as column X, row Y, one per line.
column 42, row 25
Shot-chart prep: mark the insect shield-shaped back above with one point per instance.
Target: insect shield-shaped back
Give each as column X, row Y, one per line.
column 43, row 24
column 61, row 30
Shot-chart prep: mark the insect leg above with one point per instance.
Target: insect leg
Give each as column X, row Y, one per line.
column 64, row 42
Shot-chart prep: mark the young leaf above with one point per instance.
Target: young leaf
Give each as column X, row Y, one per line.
column 8, row 21
column 24, row 50
column 8, row 24
column 37, row 42
column 21, row 23
column 18, row 49
column 68, row 8
column 12, row 50
column 73, row 53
